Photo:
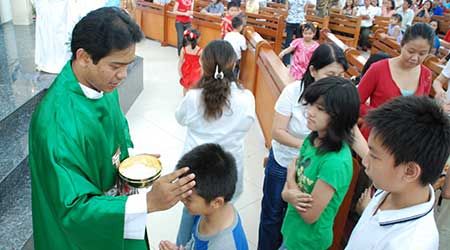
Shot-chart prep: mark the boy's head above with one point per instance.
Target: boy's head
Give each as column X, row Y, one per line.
column 233, row 8
column 215, row 177
column 396, row 19
column 237, row 23
column 409, row 143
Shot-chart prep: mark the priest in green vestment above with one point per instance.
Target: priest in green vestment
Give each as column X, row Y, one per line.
column 76, row 133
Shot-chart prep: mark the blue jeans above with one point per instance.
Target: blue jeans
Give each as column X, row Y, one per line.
column 273, row 208
column 291, row 29
column 185, row 229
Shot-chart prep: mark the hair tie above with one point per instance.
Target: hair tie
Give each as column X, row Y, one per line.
column 187, row 33
column 217, row 74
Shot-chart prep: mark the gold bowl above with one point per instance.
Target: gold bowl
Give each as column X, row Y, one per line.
column 140, row 171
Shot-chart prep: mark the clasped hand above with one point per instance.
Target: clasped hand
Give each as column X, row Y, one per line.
column 292, row 194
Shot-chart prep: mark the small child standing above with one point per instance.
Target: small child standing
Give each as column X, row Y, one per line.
column 237, row 40
column 303, row 49
column 189, row 62
column 217, row 223
column 394, row 31
column 226, row 26
column 409, row 146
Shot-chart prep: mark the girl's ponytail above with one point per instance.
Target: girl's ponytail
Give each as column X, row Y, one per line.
column 218, row 59
column 191, row 36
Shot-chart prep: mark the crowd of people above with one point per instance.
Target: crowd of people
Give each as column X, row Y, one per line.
column 322, row 122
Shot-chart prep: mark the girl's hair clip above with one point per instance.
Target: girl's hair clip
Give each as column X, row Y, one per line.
column 217, row 74
column 190, row 34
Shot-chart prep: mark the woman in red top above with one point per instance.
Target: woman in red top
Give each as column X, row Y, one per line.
column 183, row 10
column 399, row 76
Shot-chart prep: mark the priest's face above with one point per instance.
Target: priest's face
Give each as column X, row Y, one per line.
column 110, row 71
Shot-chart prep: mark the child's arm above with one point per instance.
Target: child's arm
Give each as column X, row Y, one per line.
column 286, row 51
column 360, row 144
column 437, row 86
column 280, row 131
column 322, row 194
column 291, row 192
column 180, row 62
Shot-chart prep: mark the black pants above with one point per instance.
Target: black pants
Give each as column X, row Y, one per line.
column 364, row 37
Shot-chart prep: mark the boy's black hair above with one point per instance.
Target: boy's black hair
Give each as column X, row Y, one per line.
column 419, row 30
column 410, row 2
column 413, row 129
column 397, row 16
column 324, row 55
column 232, row 4
column 236, row 22
column 103, row 31
column 340, row 99
column 215, row 171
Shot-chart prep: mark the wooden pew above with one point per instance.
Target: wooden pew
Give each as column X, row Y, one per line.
column 247, row 75
column 170, row 33
column 273, row 11
column 346, row 28
column 354, row 58
column 152, row 19
column 421, row 19
column 209, row 27
column 444, row 24
column 380, row 22
column 322, row 22
column 270, row 28
column 385, row 45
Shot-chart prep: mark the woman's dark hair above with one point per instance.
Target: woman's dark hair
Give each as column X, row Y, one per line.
column 323, row 56
column 351, row 5
column 419, row 30
column 410, row 2
column 218, row 59
column 191, row 36
column 431, row 6
column 392, row 4
column 438, row 24
column 340, row 99
column 103, row 31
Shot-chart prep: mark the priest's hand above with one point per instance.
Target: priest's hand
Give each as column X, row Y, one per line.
column 169, row 189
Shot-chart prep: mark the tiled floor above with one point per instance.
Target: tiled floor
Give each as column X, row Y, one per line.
column 155, row 130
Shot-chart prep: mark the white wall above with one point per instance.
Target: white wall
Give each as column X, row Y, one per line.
column 21, row 12
column 5, row 11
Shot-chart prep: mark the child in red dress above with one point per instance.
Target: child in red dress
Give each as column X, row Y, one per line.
column 189, row 64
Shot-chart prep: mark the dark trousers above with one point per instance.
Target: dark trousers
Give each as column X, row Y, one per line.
column 273, row 208
column 291, row 29
column 364, row 37
column 236, row 69
column 180, row 27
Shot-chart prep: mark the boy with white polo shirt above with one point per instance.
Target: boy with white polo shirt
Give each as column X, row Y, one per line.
column 408, row 147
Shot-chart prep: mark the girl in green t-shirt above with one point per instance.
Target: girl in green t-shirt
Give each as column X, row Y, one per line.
column 318, row 180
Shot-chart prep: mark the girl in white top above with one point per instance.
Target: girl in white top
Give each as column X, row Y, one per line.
column 288, row 131
column 219, row 111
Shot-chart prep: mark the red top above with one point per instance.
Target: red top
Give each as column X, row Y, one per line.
column 184, row 6
column 378, row 85
column 190, row 69
column 226, row 26
column 447, row 36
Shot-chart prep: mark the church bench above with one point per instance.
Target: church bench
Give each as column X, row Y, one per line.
column 421, row 19
column 346, row 28
column 273, row 11
column 247, row 74
column 386, row 45
column 152, row 19
column 269, row 27
column 209, row 27
column 322, row 22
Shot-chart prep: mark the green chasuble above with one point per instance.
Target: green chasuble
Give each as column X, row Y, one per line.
column 71, row 144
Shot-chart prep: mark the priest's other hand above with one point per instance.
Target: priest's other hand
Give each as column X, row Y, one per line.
column 169, row 189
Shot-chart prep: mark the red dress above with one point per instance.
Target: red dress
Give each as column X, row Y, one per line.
column 190, row 70
column 378, row 85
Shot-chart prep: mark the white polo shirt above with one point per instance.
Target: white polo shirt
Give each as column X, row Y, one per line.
column 408, row 228
column 446, row 73
column 370, row 11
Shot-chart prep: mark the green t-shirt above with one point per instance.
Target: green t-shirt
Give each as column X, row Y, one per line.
column 334, row 168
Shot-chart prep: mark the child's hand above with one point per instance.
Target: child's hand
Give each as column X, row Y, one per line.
column 299, row 200
column 363, row 201
column 167, row 245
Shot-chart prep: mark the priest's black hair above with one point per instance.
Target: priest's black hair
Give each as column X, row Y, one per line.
column 215, row 171
column 103, row 31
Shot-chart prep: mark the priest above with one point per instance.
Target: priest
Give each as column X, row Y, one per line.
column 76, row 134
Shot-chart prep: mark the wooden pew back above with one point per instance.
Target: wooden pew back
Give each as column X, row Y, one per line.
column 421, row 19
column 156, row 13
column 269, row 27
column 273, row 12
column 444, row 24
column 380, row 22
column 346, row 28
column 322, row 22
column 385, row 45
column 209, row 27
